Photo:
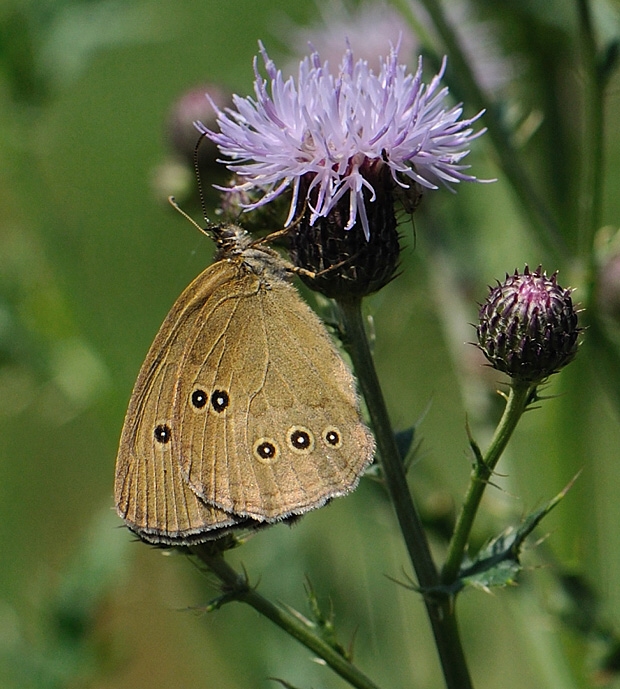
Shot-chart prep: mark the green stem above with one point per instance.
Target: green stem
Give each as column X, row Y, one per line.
column 439, row 604
column 481, row 473
column 237, row 588
column 538, row 213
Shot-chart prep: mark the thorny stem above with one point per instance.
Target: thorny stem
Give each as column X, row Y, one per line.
column 236, row 587
column 481, row 473
column 439, row 603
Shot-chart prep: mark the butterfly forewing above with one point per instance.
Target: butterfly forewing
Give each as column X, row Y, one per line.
column 151, row 494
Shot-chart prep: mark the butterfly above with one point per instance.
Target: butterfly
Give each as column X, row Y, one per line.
column 243, row 413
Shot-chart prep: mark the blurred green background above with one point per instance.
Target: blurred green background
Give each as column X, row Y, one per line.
column 92, row 258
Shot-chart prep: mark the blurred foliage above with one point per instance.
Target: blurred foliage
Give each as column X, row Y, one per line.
column 91, row 258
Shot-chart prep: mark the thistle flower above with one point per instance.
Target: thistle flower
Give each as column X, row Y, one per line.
column 320, row 135
column 528, row 326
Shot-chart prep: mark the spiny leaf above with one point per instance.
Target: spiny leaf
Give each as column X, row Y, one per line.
column 498, row 563
column 324, row 622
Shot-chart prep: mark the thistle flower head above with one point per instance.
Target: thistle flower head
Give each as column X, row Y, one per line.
column 528, row 326
column 320, row 133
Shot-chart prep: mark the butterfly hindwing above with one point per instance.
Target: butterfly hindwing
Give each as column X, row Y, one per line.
column 273, row 395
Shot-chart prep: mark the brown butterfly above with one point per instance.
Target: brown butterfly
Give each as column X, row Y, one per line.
column 243, row 413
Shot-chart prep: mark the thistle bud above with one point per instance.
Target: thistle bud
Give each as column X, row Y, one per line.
column 528, row 326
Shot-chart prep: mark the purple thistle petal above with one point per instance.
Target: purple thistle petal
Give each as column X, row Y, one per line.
column 328, row 126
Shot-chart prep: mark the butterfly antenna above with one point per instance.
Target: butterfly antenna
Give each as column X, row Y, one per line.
column 175, row 205
column 201, row 192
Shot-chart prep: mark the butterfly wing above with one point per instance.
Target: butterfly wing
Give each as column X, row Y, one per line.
column 150, row 492
column 267, row 413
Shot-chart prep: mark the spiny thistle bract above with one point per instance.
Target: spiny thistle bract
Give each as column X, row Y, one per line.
column 528, row 326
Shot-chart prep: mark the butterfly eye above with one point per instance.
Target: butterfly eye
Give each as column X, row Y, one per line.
column 199, row 398
column 162, row 433
column 266, row 450
column 300, row 439
column 332, row 437
column 219, row 400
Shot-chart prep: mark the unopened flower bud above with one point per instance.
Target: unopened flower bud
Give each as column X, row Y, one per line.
column 528, row 326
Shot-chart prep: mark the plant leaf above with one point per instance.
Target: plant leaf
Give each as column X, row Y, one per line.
column 498, row 563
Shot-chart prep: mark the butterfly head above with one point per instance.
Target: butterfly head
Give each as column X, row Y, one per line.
column 231, row 240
